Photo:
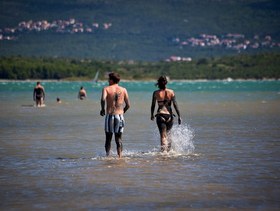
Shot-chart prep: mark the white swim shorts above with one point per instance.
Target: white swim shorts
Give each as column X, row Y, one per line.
column 114, row 123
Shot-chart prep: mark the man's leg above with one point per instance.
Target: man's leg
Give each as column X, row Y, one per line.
column 36, row 101
column 118, row 139
column 41, row 101
column 108, row 143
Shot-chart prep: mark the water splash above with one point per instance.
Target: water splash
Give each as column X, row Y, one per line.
column 182, row 145
column 182, row 139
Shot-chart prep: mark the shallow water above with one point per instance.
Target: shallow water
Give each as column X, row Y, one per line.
column 225, row 155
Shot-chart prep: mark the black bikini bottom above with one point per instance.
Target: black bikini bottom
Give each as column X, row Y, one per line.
column 164, row 120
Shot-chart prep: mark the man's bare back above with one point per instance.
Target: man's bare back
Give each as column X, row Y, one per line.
column 116, row 97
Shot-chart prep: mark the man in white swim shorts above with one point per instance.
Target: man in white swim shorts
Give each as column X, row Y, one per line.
column 117, row 103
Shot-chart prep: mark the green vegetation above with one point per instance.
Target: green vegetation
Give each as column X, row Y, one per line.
column 242, row 66
column 141, row 30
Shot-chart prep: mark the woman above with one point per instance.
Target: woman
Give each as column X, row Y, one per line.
column 164, row 117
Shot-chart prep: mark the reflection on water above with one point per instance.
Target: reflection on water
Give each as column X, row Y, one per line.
column 225, row 155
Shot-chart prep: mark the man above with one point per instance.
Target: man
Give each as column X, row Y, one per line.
column 117, row 103
column 39, row 94
column 82, row 93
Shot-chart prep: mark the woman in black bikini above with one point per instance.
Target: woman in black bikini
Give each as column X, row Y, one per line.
column 164, row 117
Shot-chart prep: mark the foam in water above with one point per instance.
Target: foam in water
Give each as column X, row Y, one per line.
column 182, row 139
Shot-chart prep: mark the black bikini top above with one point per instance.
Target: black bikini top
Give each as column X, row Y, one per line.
column 165, row 103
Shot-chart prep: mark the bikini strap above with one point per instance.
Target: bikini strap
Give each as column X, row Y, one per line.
column 167, row 103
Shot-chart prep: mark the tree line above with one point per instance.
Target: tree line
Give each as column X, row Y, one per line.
column 243, row 66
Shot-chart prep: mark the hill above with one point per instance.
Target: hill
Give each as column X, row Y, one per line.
column 148, row 30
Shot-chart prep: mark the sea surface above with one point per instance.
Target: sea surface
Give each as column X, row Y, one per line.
column 226, row 154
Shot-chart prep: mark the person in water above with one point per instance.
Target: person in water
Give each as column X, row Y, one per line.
column 117, row 103
column 164, row 116
column 82, row 93
column 39, row 94
column 58, row 100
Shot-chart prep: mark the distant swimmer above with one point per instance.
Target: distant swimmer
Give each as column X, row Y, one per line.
column 39, row 95
column 82, row 93
column 58, row 100
column 164, row 117
column 117, row 103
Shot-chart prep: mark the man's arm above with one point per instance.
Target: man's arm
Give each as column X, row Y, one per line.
column 102, row 102
column 34, row 98
column 43, row 93
column 85, row 93
column 153, row 106
column 126, row 100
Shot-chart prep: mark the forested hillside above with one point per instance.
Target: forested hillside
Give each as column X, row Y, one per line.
column 145, row 30
column 262, row 66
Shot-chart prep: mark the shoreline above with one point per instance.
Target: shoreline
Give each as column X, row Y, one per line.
column 147, row 80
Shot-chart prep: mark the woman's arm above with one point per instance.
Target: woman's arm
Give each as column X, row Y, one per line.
column 153, row 106
column 177, row 109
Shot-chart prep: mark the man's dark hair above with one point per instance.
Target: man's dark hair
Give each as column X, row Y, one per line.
column 115, row 77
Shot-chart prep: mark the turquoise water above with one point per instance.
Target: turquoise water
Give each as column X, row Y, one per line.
column 225, row 155
column 178, row 86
